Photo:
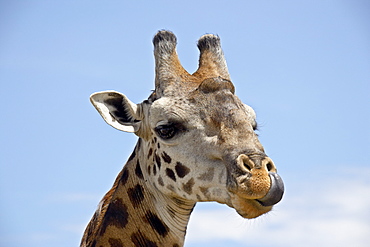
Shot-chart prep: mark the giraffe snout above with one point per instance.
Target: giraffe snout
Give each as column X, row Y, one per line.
column 258, row 179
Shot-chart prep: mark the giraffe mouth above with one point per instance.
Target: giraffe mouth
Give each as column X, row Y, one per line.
column 252, row 208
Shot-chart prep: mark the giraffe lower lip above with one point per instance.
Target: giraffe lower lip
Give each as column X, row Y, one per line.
column 275, row 193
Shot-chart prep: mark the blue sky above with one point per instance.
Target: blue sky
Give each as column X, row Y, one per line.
column 304, row 66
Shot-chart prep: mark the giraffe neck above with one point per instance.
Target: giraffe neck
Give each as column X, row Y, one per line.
column 135, row 213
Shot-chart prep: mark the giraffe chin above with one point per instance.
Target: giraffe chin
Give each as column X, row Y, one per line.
column 248, row 208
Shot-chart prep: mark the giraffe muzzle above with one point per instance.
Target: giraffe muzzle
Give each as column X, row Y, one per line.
column 259, row 180
column 275, row 194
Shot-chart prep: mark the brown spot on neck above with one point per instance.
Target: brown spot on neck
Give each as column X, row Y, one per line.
column 140, row 240
column 115, row 242
column 157, row 224
column 136, row 195
column 138, row 171
column 116, row 215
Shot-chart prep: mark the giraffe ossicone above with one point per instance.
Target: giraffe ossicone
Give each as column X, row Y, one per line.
column 197, row 143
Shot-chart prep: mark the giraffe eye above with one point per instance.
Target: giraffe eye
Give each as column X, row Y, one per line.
column 169, row 130
column 166, row 131
column 255, row 125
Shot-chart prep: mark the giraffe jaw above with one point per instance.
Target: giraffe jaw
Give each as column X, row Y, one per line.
column 248, row 208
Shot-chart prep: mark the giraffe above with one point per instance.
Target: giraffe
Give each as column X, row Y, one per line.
column 196, row 143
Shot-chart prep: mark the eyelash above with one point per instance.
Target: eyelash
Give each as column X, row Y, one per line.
column 165, row 131
column 255, row 126
column 168, row 131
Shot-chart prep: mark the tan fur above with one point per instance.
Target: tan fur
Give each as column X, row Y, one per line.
column 137, row 223
column 196, row 143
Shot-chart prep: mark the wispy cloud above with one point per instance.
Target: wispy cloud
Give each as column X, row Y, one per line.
column 322, row 212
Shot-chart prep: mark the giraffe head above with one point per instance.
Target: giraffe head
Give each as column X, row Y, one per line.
column 198, row 138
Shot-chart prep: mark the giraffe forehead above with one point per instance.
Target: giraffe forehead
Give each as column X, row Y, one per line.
column 223, row 109
column 177, row 109
column 218, row 105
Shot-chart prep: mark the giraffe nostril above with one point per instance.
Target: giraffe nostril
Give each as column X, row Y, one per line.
column 269, row 166
column 247, row 166
column 245, row 163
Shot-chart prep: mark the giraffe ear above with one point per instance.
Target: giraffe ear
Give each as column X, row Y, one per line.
column 117, row 110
